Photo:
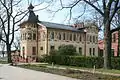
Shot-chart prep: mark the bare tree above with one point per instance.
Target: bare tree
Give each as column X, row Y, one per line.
column 106, row 8
column 11, row 15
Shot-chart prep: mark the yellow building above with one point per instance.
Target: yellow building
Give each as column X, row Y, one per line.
column 39, row 37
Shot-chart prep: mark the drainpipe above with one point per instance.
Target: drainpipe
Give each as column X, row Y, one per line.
column 47, row 41
column 85, row 44
column 37, row 42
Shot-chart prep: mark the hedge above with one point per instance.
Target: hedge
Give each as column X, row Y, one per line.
column 81, row 61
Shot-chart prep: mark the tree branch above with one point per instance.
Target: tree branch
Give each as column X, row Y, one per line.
column 116, row 29
column 21, row 18
column 94, row 7
column 3, row 26
column 115, row 10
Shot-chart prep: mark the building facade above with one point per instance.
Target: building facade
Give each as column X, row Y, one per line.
column 114, row 47
column 40, row 37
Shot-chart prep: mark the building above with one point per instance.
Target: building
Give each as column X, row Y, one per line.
column 39, row 37
column 114, row 45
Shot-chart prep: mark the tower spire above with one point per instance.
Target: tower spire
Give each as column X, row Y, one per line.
column 31, row 7
column 32, row 17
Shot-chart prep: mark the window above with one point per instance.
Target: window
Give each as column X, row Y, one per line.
column 67, row 36
column 21, row 36
column 80, row 38
column 100, row 53
column 80, row 50
column 39, row 35
column 87, row 37
column 23, row 48
column 114, row 38
column 34, row 26
column 34, row 36
column 93, row 39
column 29, row 36
column 25, row 36
column 96, row 39
column 63, row 36
column 90, row 51
column 52, row 35
column 93, row 51
column 44, row 35
column 70, row 37
column 52, row 47
column 33, row 50
column 59, row 36
column 74, row 37
column 90, row 38
column 41, row 48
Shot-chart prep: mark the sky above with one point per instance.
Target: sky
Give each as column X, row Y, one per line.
column 60, row 17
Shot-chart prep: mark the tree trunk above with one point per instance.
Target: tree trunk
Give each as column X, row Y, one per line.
column 107, row 46
column 9, row 53
column 3, row 53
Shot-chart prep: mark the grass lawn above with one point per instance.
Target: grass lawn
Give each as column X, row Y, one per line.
column 91, row 69
column 69, row 72
column 3, row 62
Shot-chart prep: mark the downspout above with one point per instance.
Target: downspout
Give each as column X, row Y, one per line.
column 47, row 41
column 85, row 45
column 37, row 42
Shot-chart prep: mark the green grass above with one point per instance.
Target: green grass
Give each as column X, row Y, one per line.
column 3, row 62
column 109, row 71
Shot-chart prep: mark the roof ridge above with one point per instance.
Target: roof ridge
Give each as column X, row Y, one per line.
column 56, row 23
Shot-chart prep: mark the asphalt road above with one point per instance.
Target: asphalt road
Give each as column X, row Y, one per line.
column 15, row 73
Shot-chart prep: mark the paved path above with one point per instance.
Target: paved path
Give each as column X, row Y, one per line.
column 15, row 73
